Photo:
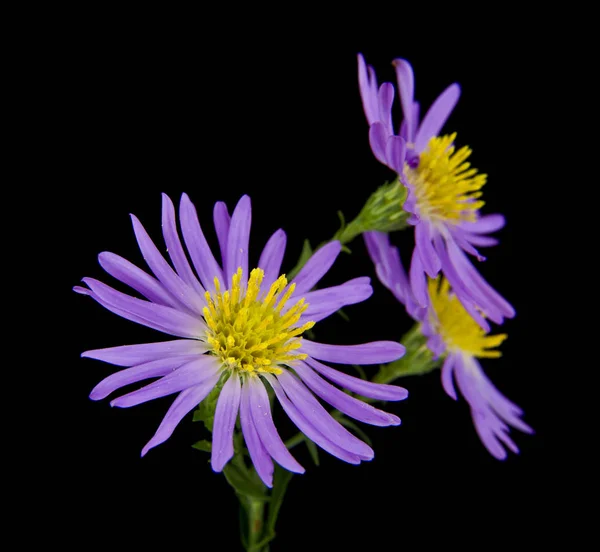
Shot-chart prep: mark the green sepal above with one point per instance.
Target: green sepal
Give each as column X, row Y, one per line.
column 206, row 409
column 204, row 446
column 312, row 449
column 245, row 482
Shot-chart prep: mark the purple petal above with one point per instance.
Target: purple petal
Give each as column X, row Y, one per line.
column 406, row 89
column 319, row 418
column 486, row 224
column 190, row 374
column 164, row 319
column 305, row 427
column 135, row 278
column 418, row 281
column 350, row 406
column 447, row 383
column 222, row 221
column 186, row 401
column 272, row 257
column 379, row 391
column 239, row 236
column 261, row 415
column 131, row 355
column 436, row 116
column 316, row 267
column 259, row 455
column 378, row 140
column 385, row 99
column 174, row 247
column 182, row 292
column 481, row 241
column 367, row 84
column 334, row 298
column 365, row 353
column 202, row 257
column 153, row 369
column 395, row 152
column 226, row 413
column 429, row 258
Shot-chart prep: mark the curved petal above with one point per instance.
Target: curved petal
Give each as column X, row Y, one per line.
column 307, row 428
column 226, row 413
column 259, row 455
column 429, row 258
column 395, row 152
column 334, row 298
column 131, row 355
column 272, row 257
column 135, row 278
column 436, row 116
column 447, row 383
column 164, row 319
column 153, row 369
column 378, row 140
column 174, row 247
column 385, row 99
column 261, row 415
column 186, row 401
column 222, row 221
column 379, row 391
column 316, row 267
column 418, row 281
column 365, row 353
column 367, row 84
column 350, row 406
column 237, row 242
column 204, row 261
column 406, row 89
column 485, row 224
column 190, row 374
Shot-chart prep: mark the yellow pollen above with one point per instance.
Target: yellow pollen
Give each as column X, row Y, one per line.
column 456, row 326
column 246, row 329
column 446, row 187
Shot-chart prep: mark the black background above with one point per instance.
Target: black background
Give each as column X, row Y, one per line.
column 137, row 106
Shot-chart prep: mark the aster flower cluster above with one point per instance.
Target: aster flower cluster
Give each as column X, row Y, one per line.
column 444, row 293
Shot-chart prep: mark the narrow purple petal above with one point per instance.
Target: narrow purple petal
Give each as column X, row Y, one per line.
column 135, row 278
column 318, row 417
column 480, row 241
column 186, row 401
column 395, row 153
column 188, row 375
column 316, row 267
column 222, row 221
column 367, row 84
column 131, row 355
column 307, row 428
column 259, row 455
column 406, row 89
column 379, row 391
column 436, row 116
column 429, row 258
column 447, row 383
column 486, row 224
column 226, row 413
column 418, row 281
column 174, row 247
column 263, row 421
column 164, row 319
column 204, row 261
column 237, row 242
column 350, row 406
column 365, row 353
column 181, row 291
column 152, row 369
column 378, row 140
column 272, row 257
column 385, row 99
column 334, row 298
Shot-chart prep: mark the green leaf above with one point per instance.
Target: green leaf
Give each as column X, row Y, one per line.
column 243, row 483
column 306, row 253
column 314, row 452
column 281, row 480
column 204, row 445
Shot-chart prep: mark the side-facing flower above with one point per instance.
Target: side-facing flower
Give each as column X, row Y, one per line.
column 453, row 335
column 443, row 191
column 241, row 330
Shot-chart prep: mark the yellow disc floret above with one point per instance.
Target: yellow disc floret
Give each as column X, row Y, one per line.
column 456, row 326
column 446, row 188
column 248, row 331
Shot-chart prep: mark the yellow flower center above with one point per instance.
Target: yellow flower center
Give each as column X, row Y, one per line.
column 247, row 330
column 456, row 326
column 445, row 186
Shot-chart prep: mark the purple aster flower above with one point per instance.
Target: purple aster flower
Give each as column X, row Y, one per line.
column 454, row 335
column 443, row 191
column 243, row 328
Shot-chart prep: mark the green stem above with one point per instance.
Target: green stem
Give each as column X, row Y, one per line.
column 255, row 510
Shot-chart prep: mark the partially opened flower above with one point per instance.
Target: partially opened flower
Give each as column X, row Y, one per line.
column 242, row 330
column 444, row 191
column 454, row 335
